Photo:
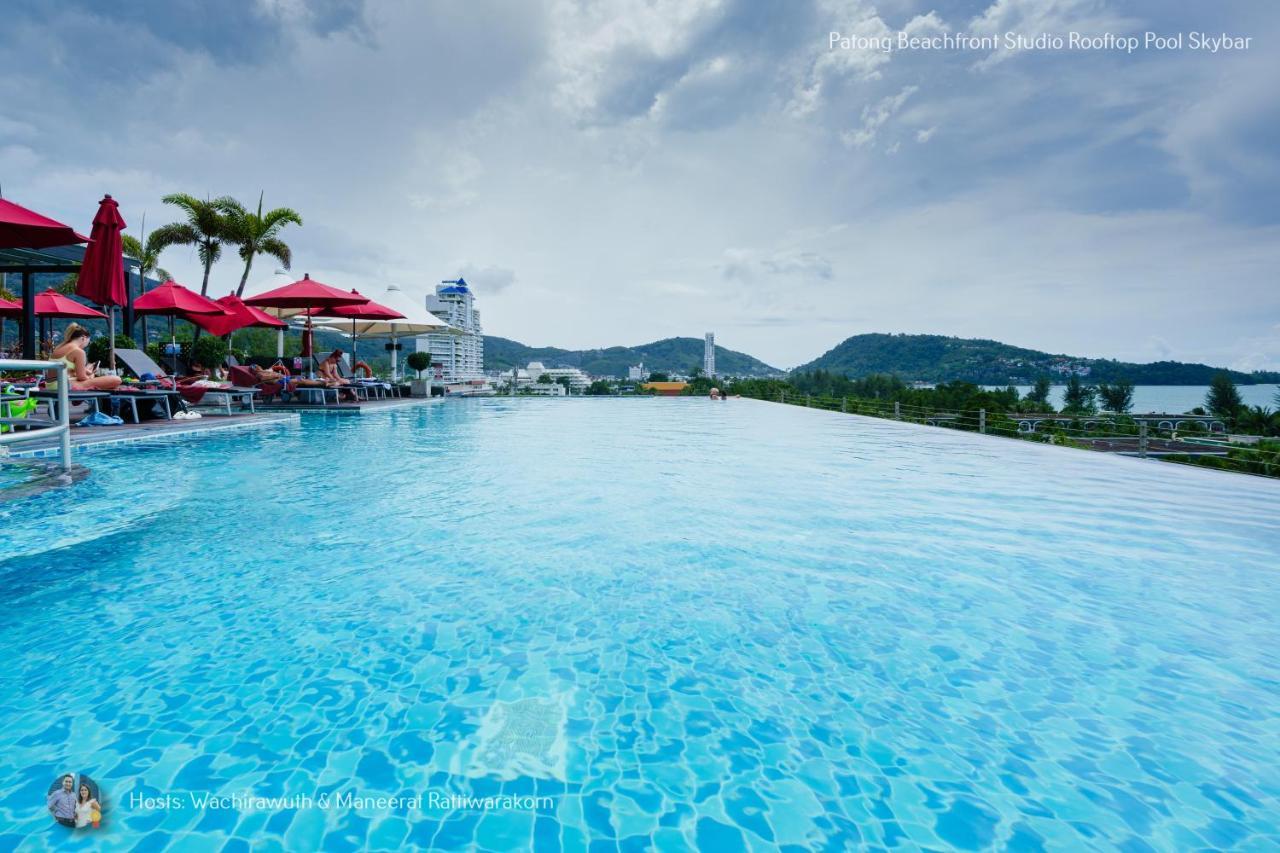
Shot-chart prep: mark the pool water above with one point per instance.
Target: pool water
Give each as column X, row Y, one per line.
column 644, row 622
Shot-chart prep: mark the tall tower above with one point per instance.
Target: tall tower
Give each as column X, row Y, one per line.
column 709, row 354
column 461, row 356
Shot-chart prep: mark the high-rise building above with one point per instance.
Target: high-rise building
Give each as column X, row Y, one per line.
column 709, row 354
column 462, row 356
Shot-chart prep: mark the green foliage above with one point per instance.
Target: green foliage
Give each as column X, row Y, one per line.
column 935, row 358
column 1079, row 399
column 207, row 228
column 1258, row 420
column 1223, row 398
column 418, row 362
column 99, row 349
column 665, row 356
column 600, row 388
column 659, row 376
column 209, row 350
column 1116, row 396
column 257, row 233
column 544, row 379
column 1039, row 393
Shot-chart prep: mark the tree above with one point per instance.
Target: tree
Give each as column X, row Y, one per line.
column 257, row 233
column 206, row 228
column 1039, row 393
column 1079, row 399
column 419, row 361
column 1223, row 398
column 148, row 255
column 565, row 381
column 659, row 377
column 1117, row 396
column 600, row 388
column 544, row 379
column 1258, row 420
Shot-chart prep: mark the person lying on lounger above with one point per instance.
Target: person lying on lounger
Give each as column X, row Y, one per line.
column 71, row 353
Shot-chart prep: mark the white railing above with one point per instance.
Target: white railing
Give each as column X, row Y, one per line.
column 61, row 427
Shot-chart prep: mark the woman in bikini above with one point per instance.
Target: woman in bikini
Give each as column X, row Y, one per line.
column 71, row 353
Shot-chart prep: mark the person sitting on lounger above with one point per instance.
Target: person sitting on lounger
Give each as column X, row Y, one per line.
column 333, row 379
column 71, row 353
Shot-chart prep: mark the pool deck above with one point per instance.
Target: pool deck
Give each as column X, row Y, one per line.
column 87, row 438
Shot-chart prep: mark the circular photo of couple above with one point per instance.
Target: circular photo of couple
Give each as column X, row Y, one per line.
column 75, row 802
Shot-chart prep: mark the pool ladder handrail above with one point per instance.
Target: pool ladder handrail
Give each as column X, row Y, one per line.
column 61, row 427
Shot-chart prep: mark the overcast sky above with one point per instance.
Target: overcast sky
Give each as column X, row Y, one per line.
column 618, row 172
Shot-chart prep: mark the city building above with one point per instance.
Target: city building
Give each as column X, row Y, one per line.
column 637, row 373
column 461, row 356
column 526, row 379
column 709, row 354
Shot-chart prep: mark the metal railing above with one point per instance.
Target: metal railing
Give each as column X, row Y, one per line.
column 43, row 427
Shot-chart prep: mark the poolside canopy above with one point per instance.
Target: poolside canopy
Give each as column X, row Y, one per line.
column 51, row 303
column 173, row 300
column 22, row 228
column 417, row 320
column 101, row 278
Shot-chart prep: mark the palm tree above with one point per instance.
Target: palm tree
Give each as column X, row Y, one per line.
column 1257, row 420
column 256, row 234
column 206, row 228
column 148, row 256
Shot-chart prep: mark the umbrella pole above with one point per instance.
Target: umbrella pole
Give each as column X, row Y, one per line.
column 279, row 343
column 111, row 335
column 395, row 368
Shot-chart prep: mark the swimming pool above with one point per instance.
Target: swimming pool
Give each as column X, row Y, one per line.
column 633, row 620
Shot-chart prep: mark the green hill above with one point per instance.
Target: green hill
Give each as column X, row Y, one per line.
column 673, row 355
column 935, row 358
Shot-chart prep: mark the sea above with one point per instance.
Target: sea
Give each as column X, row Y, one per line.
column 1174, row 399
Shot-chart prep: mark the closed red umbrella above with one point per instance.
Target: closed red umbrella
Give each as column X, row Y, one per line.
column 101, row 278
column 21, row 228
column 309, row 294
column 238, row 316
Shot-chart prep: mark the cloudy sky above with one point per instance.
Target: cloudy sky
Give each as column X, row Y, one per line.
column 616, row 172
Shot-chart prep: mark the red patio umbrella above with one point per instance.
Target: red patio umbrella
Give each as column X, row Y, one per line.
column 238, row 316
column 21, row 228
column 50, row 303
column 308, row 294
column 368, row 311
column 173, row 300
column 101, row 277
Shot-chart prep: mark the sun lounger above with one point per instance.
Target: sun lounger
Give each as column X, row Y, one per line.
column 93, row 398
column 245, row 397
column 152, row 396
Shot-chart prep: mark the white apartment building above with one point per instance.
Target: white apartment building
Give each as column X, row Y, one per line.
column 462, row 356
column 709, row 354
column 637, row 373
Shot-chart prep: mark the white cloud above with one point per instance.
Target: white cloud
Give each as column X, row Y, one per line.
column 874, row 117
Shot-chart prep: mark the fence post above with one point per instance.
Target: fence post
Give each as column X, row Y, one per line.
column 897, row 410
column 844, row 404
column 783, row 399
column 808, row 401
column 1142, row 440
column 982, row 421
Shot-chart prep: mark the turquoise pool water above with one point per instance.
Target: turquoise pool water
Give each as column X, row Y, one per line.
column 673, row 623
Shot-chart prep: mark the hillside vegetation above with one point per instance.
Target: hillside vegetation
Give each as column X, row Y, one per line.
column 936, row 358
column 672, row 355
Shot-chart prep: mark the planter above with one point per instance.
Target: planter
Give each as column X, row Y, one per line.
column 420, row 388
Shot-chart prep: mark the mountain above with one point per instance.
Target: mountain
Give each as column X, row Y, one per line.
column 935, row 358
column 673, row 355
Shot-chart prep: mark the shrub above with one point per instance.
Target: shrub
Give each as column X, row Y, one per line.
column 209, row 350
column 99, row 349
column 418, row 362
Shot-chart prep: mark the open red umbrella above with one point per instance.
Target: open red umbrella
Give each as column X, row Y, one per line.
column 309, row 294
column 238, row 316
column 173, row 300
column 21, row 228
column 50, row 303
column 368, row 311
column 101, row 278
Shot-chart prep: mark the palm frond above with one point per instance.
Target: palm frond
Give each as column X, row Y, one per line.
column 277, row 249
